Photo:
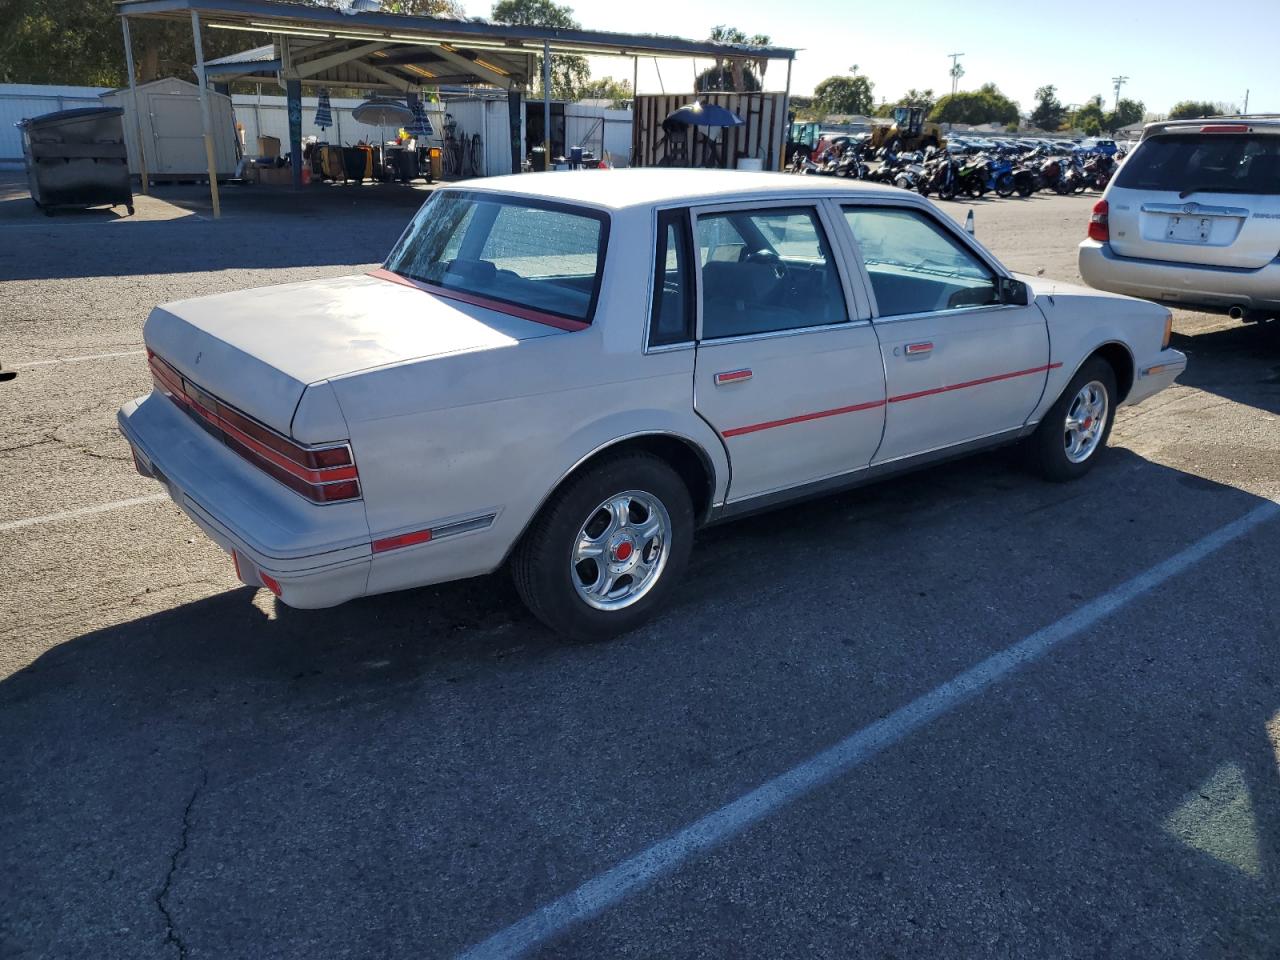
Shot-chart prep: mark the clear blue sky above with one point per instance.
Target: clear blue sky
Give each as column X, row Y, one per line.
column 1170, row 49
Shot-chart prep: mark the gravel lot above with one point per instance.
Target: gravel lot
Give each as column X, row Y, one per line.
column 189, row 770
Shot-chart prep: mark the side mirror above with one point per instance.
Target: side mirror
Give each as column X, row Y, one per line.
column 1014, row 292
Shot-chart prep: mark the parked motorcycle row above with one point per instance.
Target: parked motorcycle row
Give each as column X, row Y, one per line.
column 1003, row 171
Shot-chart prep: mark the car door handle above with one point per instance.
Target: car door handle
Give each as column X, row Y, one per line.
column 916, row 349
column 732, row 376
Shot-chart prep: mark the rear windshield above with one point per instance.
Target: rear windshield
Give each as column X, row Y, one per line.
column 1189, row 163
column 525, row 252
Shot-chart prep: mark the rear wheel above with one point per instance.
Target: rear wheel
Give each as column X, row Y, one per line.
column 1073, row 433
column 606, row 551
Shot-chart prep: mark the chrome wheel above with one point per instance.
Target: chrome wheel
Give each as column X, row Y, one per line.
column 1086, row 419
column 621, row 550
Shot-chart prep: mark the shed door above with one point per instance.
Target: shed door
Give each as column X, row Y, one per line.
column 178, row 133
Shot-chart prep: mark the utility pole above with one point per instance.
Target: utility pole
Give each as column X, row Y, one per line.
column 1119, row 82
column 1245, row 111
column 957, row 71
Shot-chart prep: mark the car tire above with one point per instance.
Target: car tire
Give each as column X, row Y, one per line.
column 1073, row 434
column 568, row 590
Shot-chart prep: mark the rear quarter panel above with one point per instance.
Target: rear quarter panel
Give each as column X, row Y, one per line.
column 494, row 431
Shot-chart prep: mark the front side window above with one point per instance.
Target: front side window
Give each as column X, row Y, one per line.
column 915, row 265
column 510, row 249
column 766, row 270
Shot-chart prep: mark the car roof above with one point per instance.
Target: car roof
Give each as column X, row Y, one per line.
column 618, row 189
column 1269, row 124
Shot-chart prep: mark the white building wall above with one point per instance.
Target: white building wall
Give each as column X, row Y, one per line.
column 19, row 101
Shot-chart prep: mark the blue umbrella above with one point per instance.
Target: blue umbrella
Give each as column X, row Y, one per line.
column 420, row 125
column 324, row 112
column 704, row 115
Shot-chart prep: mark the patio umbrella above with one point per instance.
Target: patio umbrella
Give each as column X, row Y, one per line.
column 324, row 112
column 420, row 125
column 382, row 112
column 704, row 115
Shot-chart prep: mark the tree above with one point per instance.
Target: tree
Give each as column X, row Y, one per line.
column 606, row 88
column 742, row 74
column 569, row 73
column 984, row 105
column 450, row 9
column 845, row 94
column 1126, row 114
column 912, row 98
column 1049, row 112
column 1089, row 118
column 1190, row 109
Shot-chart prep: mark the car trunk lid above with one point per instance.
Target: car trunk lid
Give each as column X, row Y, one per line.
column 258, row 350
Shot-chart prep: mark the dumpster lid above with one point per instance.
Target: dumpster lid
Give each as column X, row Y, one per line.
column 61, row 115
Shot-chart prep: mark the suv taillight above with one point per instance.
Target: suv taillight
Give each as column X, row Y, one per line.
column 1098, row 226
column 325, row 474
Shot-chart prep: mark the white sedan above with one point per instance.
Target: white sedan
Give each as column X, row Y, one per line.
column 571, row 372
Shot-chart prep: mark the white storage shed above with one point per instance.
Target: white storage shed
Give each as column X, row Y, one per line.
column 173, row 132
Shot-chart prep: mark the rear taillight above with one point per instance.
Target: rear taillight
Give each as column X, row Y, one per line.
column 1225, row 128
column 324, row 474
column 1098, row 226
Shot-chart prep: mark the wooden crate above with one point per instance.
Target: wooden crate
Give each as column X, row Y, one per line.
column 761, row 137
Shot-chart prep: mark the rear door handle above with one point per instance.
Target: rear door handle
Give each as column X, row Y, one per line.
column 732, row 376
column 915, row 349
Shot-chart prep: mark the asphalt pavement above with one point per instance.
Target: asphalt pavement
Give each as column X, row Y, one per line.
column 963, row 713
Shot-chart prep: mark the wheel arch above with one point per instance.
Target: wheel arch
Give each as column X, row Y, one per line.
column 690, row 461
column 1120, row 358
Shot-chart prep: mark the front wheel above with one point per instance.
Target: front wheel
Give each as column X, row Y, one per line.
column 606, row 551
column 1073, row 433
column 1004, row 185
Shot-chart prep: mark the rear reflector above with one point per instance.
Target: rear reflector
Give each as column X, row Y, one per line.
column 271, row 583
column 1099, row 229
column 403, row 540
column 324, row 474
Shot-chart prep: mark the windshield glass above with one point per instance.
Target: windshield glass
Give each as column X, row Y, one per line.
column 1205, row 162
column 513, row 249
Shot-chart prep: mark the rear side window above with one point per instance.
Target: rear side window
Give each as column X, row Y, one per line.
column 673, row 303
column 512, row 249
column 1205, row 163
column 766, row 270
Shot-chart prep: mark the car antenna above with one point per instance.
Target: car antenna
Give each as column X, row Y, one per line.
column 968, row 224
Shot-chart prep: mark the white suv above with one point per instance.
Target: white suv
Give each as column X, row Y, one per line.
column 1193, row 218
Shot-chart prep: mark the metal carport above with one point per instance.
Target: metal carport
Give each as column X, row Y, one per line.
column 325, row 46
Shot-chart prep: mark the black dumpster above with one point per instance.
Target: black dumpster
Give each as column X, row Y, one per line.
column 77, row 158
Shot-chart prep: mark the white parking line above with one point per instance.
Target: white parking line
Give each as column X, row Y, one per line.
column 91, row 356
column 641, row 870
column 82, row 512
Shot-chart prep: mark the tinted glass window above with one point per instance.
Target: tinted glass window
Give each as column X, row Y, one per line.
column 1205, row 162
column 672, row 283
column 915, row 265
column 544, row 257
column 766, row 270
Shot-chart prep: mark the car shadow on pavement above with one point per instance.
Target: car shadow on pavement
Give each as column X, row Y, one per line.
column 1240, row 363
column 254, row 780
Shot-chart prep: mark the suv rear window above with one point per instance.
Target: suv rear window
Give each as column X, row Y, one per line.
column 517, row 250
column 1189, row 163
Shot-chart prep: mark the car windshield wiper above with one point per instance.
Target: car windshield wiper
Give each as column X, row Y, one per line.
column 1214, row 187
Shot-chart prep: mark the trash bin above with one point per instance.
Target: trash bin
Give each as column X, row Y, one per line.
column 77, row 158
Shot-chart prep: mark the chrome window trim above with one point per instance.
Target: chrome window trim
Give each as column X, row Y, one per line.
column 954, row 311
column 791, row 332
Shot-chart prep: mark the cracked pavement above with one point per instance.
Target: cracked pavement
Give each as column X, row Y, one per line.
column 191, row 770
